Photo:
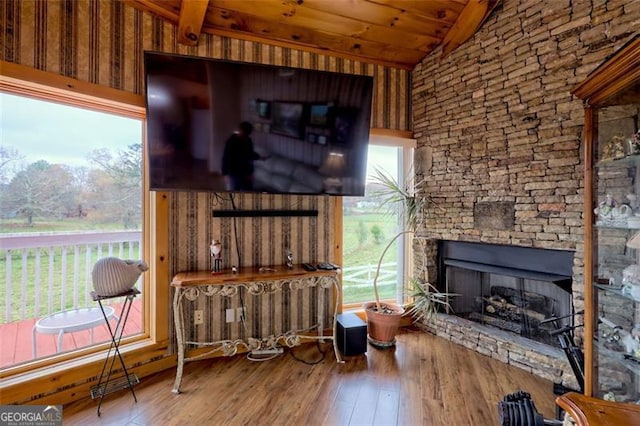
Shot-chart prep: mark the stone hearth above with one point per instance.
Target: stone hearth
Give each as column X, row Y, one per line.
column 504, row 292
column 542, row 360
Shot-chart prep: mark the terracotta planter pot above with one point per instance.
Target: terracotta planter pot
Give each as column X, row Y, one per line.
column 382, row 327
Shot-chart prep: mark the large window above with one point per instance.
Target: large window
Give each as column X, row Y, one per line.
column 367, row 229
column 71, row 192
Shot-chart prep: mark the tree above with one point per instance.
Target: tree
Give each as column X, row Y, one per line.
column 378, row 236
column 116, row 186
column 9, row 160
column 40, row 190
column 362, row 233
column 81, row 183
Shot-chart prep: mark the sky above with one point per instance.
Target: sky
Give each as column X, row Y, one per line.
column 382, row 157
column 57, row 133
column 61, row 134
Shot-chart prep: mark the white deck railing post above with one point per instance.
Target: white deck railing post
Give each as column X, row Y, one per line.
column 7, row 288
column 68, row 277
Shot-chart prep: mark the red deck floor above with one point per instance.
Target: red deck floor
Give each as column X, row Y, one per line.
column 16, row 337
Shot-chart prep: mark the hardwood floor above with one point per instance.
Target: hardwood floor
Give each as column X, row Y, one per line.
column 425, row 380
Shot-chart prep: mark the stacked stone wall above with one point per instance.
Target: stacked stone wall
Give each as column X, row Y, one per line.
column 495, row 122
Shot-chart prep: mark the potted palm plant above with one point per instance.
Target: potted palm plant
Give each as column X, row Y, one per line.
column 383, row 318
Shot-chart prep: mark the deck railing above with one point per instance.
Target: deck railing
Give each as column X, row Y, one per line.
column 357, row 282
column 46, row 273
column 362, row 276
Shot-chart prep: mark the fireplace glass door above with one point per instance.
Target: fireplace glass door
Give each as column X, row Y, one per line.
column 514, row 304
column 511, row 288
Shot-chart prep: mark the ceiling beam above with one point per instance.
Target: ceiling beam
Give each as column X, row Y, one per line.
column 395, row 33
column 469, row 21
column 192, row 14
column 239, row 25
column 168, row 14
column 319, row 20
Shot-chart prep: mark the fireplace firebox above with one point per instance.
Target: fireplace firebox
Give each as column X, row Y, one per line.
column 508, row 287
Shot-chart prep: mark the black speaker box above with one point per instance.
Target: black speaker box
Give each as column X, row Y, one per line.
column 352, row 335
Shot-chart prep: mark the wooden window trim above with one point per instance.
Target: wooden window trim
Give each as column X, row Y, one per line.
column 27, row 81
column 58, row 372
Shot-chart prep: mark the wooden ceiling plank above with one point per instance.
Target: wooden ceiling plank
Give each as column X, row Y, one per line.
column 386, row 16
column 428, row 9
column 326, row 43
column 302, row 35
column 396, row 33
column 169, row 10
column 192, row 13
column 468, row 22
column 223, row 32
column 301, row 16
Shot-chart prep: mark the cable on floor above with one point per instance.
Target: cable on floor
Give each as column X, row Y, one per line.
column 250, row 357
column 304, row 361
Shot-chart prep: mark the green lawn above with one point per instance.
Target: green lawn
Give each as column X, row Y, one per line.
column 356, row 253
column 368, row 252
column 31, row 300
column 77, row 283
column 8, row 226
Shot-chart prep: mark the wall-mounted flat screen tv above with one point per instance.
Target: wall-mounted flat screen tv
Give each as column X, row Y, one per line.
column 225, row 126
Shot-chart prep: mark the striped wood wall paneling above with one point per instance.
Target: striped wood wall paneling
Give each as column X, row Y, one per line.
column 268, row 314
column 103, row 42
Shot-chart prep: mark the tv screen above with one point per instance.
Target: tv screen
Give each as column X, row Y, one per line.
column 215, row 125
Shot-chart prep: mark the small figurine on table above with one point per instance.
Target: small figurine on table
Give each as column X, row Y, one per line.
column 289, row 259
column 216, row 256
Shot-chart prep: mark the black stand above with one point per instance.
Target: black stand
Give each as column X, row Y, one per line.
column 129, row 380
column 217, row 265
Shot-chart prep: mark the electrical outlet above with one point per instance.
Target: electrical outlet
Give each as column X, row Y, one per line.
column 230, row 315
column 198, row 317
column 240, row 314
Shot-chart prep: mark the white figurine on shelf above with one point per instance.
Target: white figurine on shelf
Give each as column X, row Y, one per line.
column 605, row 208
column 215, row 250
column 633, row 202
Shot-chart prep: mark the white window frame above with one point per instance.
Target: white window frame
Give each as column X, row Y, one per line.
column 406, row 149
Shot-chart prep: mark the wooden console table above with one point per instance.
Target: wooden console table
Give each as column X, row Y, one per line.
column 588, row 411
column 251, row 281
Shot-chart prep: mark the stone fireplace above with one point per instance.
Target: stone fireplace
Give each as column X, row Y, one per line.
column 510, row 288
column 499, row 148
column 503, row 295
